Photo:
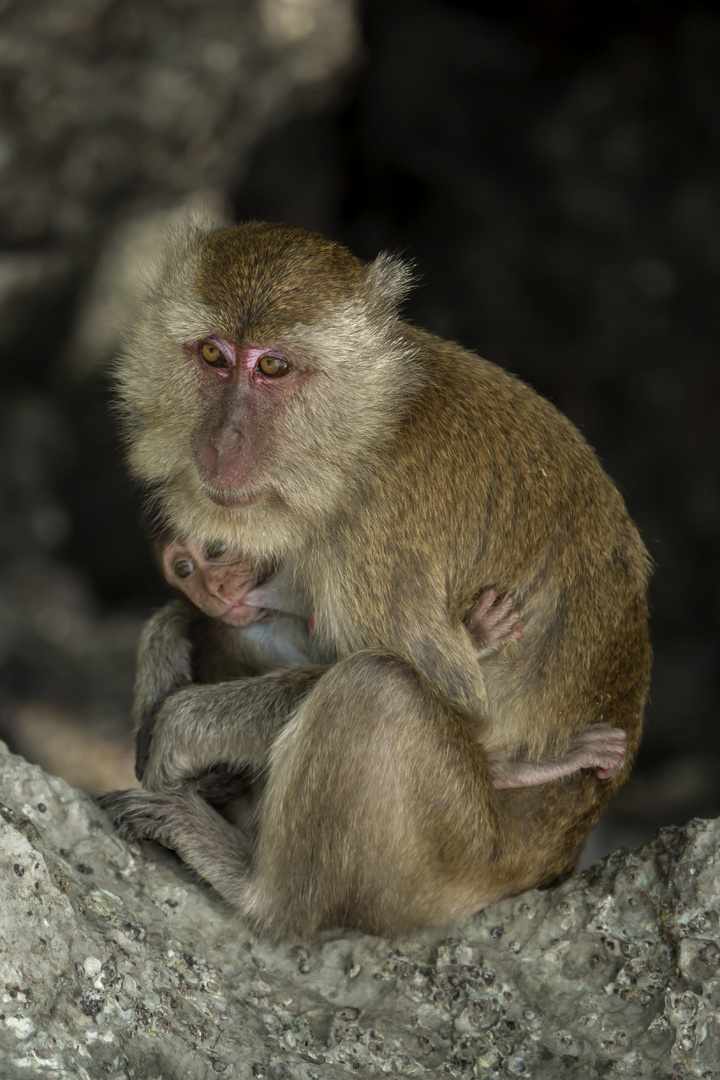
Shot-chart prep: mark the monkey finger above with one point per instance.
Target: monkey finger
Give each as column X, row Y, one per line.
column 481, row 608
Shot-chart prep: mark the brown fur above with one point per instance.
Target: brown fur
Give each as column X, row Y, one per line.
column 409, row 475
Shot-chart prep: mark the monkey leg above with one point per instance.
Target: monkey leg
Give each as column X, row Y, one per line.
column 227, row 725
column 379, row 809
column 164, row 665
column 379, row 812
column 599, row 746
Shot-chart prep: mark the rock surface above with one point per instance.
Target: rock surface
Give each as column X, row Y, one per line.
column 115, row 963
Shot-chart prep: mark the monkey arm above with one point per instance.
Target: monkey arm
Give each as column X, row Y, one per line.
column 234, row 724
column 231, row 724
column 179, row 645
column 164, row 664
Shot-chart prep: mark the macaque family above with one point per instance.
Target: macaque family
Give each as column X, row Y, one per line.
column 414, row 602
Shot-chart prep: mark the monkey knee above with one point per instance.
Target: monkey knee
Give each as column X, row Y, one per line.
column 371, row 683
column 353, row 734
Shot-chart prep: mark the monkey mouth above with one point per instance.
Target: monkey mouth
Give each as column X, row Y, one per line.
column 241, row 614
column 232, row 496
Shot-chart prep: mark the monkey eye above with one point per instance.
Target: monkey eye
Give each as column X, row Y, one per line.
column 215, row 549
column 273, row 366
column 212, row 354
column 184, row 568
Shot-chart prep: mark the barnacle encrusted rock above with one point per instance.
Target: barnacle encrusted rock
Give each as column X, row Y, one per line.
column 116, row 963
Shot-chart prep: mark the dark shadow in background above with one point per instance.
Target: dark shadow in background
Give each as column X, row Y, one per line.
column 554, row 172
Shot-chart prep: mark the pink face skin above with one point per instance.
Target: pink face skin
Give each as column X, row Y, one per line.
column 218, row 588
column 245, row 389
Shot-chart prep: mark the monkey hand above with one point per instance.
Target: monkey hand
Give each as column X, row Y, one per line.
column 494, row 621
column 206, row 727
column 175, row 751
column 217, row 785
column 599, row 747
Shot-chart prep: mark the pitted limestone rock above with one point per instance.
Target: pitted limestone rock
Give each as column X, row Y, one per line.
column 115, row 962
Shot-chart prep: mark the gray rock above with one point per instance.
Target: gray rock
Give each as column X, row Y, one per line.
column 115, row 962
column 116, row 109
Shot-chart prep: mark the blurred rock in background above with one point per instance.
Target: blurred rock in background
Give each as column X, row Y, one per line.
column 552, row 168
column 115, row 115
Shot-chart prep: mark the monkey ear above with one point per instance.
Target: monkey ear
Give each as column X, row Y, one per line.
column 388, row 280
column 175, row 235
column 196, row 221
column 185, row 231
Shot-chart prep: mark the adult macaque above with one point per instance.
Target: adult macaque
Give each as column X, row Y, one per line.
column 275, row 398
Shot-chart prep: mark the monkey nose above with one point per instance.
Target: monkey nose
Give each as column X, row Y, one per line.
column 215, row 585
column 227, row 439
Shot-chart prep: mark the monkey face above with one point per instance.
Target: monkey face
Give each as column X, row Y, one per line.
column 263, row 373
column 245, row 390
column 219, row 587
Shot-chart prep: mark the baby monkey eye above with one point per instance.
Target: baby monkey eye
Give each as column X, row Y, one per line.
column 273, row 366
column 212, row 355
column 184, row 568
column 215, row 549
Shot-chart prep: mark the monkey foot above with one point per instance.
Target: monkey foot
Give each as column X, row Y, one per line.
column 599, row 747
column 146, row 815
column 184, row 822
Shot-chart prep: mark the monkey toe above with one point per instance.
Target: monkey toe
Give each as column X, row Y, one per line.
column 483, row 606
column 493, row 622
column 143, row 815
